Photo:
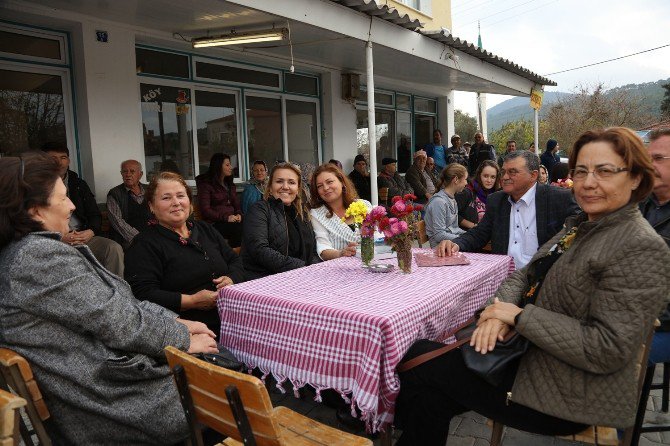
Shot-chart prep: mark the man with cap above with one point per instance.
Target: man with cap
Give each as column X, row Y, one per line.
column 456, row 153
column 416, row 179
column 389, row 177
column 550, row 156
column 361, row 177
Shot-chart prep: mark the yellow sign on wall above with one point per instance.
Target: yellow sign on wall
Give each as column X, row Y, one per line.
column 536, row 98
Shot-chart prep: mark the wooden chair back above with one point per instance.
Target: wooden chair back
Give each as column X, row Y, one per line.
column 421, row 227
column 9, row 418
column 17, row 376
column 208, row 386
column 383, row 193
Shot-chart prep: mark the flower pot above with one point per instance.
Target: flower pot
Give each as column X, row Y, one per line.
column 404, row 250
column 367, row 250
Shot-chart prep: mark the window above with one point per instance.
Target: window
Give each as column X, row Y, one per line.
column 422, row 105
column 424, row 6
column 384, row 129
column 295, row 83
column 161, row 63
column 381, row 97
column 237, row 74
column 32, row 45
column 264, row 129
column 216, row 128
column 403, row 101
column 301, row 129
column 166, row 128
column 404, row 141
column 423, row 130
column 32, row 110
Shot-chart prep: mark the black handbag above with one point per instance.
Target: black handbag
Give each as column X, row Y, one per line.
column 224, row 358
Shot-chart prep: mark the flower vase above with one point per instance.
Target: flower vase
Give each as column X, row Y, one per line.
column 367, row 250
column 404, row 250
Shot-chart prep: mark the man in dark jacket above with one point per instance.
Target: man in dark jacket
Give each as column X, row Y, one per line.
column 479, row 152
column 127, row 212
column 520, row 218
column 389, row 177
column 656, row 209
column 456, row 153
column 416, row 178
column 550, row 156
column 86, row 220
column 361, row 177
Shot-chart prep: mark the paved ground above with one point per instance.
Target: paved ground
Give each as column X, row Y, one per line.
column 471, row 429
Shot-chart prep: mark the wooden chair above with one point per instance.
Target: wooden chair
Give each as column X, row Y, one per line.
column 237, row 250
column 238, row 406
column 384, row 196
column 421, row 227
column 17, row 376
column 9, row 418
column 602, row 435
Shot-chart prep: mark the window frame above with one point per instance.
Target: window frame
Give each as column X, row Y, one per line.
column 198, row 58
column 302, row 98
column 61, row 38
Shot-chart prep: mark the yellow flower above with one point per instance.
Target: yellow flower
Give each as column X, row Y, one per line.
column 357, row 210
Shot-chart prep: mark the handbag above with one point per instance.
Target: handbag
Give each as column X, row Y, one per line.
column 492, row 365
column 224, row 358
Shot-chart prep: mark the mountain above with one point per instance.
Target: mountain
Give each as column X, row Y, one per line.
column 650, row 93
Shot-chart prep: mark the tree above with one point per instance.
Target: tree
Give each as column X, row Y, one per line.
column 520, row 131
column 665, row 105
column 589, row 108
column 466, row 126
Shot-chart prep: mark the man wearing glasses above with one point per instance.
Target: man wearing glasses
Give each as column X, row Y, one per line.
column 521, row 217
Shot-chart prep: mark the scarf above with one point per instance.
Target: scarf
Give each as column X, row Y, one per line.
column 479, row 191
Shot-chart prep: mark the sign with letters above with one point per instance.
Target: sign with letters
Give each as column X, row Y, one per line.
column 536, row 96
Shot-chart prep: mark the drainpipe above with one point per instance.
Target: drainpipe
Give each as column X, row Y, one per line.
column 372, row 134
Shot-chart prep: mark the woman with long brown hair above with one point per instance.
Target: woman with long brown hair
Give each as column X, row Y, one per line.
column 277, row 235
column 331, row 194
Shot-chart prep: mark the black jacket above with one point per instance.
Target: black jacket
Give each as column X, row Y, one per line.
column 552, row 206
column 362, row 184
column 86, row 207
column 265, row 240
column 160, row 268
column 663, row 229
column 479, row 153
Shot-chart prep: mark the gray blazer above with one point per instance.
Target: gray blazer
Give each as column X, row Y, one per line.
column 96, row 351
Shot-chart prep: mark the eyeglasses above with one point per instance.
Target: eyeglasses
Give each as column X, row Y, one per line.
column 659, row 158
column 599, row 173
column 510, row 172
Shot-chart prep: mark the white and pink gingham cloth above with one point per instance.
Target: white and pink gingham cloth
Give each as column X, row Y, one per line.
column 335, row 325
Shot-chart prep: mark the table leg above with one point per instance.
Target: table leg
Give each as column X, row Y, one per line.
column 386, row 437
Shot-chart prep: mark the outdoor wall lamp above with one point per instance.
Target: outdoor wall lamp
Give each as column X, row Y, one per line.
column 235, row 38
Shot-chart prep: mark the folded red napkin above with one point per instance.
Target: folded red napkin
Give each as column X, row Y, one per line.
column 430, row 259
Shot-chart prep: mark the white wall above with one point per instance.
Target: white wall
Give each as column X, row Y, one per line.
column 109, row 118
column 339, row 122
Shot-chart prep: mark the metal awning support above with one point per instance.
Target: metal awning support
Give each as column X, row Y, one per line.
column 372, row 133
column 536, row 131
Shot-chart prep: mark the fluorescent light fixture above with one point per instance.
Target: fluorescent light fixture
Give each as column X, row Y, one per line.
column 234, row 38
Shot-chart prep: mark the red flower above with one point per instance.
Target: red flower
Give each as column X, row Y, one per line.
column 408, row 197
column 396, row 199
column 418, row 207
column 410, row 208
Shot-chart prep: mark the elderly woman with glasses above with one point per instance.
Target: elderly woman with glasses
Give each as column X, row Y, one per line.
column 277, row 234
column 598, row 285
column 95, row 350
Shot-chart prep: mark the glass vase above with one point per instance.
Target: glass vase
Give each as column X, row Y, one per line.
column 404, row 250
column 367, row 250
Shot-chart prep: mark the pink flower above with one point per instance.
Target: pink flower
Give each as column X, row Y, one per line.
column 399, row 207
column 377, row 212
column 388, row 233
column 403, row 226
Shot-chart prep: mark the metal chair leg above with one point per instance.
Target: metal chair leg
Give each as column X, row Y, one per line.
column 666, row 386
column 634, row 434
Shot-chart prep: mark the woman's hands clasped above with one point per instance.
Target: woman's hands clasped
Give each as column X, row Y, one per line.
column 494, row 323
column 203, row 340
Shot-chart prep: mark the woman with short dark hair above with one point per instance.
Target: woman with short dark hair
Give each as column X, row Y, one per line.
column 95, row 350
column 255, row 187
column 598, row 286
column 217, row 198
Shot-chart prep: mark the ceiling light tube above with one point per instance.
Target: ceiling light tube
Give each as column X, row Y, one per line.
column 240, row 38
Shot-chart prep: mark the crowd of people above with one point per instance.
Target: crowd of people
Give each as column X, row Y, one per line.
column 155, row 281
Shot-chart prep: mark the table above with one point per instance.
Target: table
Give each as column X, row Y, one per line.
column 336, row 325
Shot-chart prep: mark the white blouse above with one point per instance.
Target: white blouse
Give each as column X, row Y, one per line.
column 332, row 233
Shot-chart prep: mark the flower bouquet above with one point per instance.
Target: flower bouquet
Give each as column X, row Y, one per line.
column 401, row 229
column 366, row 223
column 565, row 183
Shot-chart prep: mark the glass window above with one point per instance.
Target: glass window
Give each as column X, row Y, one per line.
column 166, row 127
column 404, row 141
column 301, row 126
column 381, row 98
column 423, row 131
column 295, row 83
column 425, row 105
column 216, row 128
column 403, row 101
column 384, row 129
column 236, row 74
column 31, row 110
column 160, row 62
column 28, row 45
column 264, row 130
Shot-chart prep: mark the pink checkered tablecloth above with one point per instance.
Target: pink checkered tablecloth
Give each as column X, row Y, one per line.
column 335, row 325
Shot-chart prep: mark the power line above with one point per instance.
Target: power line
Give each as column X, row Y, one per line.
column 464, row 11
column 500, row 12
column 608, row 60
column 516, row 15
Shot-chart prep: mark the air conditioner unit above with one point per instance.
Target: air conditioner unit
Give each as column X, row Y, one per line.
column 351, row 86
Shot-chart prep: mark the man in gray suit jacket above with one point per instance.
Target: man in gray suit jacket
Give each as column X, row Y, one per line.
column 520, row 218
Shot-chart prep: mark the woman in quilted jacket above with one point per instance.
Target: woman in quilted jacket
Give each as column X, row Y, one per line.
column 599, row 285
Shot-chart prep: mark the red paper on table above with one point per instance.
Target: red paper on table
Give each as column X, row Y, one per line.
column 430, row 259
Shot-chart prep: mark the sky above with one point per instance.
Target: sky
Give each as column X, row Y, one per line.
column 546, row 36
